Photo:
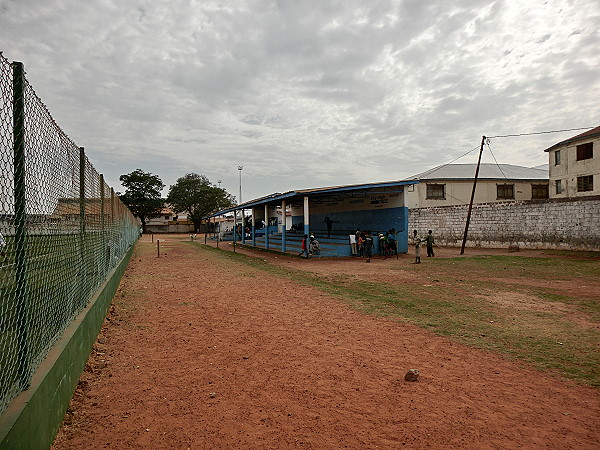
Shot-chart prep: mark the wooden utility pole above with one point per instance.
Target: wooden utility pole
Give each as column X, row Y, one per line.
column 462, row 249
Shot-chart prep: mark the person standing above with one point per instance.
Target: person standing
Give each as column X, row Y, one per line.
column 368, row 245
column 392, row 244
column 383, row 248
column 352, row 238
column 304, row 248
column 360, row 243
column 417, row 241
column 429, row 241
column 329, row 223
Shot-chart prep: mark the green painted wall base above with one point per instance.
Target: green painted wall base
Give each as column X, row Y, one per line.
column 33, row 418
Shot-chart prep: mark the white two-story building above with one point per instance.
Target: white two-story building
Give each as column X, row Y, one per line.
column 575, row 165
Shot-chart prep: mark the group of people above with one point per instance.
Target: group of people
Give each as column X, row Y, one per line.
column 388, row 243
column 429, row 241
column 310, row 246
column 361, row 243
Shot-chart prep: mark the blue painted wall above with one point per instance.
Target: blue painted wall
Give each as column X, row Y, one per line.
column 377, row 220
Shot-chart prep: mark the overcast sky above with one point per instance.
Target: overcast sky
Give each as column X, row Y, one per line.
column 307, row 93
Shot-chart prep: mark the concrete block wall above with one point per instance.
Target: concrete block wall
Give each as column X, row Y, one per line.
column 537, row 224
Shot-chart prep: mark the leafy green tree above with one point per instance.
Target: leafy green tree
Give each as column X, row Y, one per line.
column 194, row 195
column 142, row 194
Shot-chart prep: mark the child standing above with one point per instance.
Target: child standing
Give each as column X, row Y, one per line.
column 304, row 248
column 417, row 241
column 361, row 246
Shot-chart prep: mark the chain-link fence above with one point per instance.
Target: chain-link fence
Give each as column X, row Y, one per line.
column 62, row 230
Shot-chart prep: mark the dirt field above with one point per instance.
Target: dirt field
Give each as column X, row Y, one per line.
column 200, row 351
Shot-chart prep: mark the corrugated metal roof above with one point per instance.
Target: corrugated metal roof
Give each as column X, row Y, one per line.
column 585, row 135
column 486, row 171
column 315, row 191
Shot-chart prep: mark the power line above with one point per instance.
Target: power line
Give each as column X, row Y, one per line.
column 539, row 132
column 465, row 154
column 494, row 156
column 448, row 163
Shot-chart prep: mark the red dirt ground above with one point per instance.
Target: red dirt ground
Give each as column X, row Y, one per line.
column 198, row 352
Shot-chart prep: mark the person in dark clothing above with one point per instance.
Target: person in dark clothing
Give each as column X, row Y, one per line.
column 429, row 242
column 392, row 243
column 329, row 223
column 368, row 245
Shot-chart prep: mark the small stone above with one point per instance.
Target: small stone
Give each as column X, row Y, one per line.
column 213, row 395
column 412, row 375
column 245, row 357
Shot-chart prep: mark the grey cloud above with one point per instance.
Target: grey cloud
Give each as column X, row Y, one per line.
column 294, row 90
column 543, row 38
column 252, row 120
column 251, row 134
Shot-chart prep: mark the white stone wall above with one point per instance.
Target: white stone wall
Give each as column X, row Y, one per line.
column 557, row 223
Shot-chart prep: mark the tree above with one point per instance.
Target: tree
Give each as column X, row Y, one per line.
column 142, row 194
column 195, row 195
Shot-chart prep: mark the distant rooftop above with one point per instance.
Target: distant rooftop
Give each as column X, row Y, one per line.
column 486, row 171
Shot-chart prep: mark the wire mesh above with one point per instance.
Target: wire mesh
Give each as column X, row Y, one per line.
column 62, row 230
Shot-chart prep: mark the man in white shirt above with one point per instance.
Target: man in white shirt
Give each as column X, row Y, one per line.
column 353, row 244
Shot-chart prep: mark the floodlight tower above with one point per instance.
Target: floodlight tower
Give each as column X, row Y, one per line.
column 240, row 169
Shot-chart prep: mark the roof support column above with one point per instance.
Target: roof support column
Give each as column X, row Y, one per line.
column 242, row 219
column 283, row 217
column 306, row 216
column 234, row 228
column 266, row 225
column 253, row 227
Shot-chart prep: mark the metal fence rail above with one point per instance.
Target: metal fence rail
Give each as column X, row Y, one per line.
column 63, row 229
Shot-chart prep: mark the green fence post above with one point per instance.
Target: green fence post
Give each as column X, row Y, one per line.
column 102, row 229
column 82, row 241
column 113, row 233
column 20, row 221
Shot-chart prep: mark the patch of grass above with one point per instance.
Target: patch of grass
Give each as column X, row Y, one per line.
column 517, row 267
column 460, row 307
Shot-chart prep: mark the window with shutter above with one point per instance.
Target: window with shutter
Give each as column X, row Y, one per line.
column 585, row 151
column 585, row 183
column 539, row 191
column 436, row 191
column 506, row 191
